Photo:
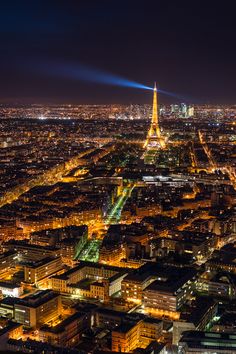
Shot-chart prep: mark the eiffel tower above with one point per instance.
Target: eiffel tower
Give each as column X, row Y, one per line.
column 154, row 140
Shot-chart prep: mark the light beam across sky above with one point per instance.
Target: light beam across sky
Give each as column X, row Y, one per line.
column 80, row 72
column 87, row 74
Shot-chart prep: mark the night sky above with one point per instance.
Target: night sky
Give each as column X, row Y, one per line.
column 188, row 47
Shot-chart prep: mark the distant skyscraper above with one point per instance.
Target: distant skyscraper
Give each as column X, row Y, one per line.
column 174, row 108
column 183, row 110
column 190, row 111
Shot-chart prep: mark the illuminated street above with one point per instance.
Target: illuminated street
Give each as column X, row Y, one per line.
column 115, row 214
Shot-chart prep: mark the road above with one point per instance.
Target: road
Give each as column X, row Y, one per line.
column 207, row 151
column 115, row 213
column 213, row 164
column 90, row 251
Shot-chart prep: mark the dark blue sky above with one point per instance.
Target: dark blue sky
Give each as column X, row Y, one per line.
column 188, row 47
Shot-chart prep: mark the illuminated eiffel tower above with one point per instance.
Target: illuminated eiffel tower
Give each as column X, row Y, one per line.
column 154, row 140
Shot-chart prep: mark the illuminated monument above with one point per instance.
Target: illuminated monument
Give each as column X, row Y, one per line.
column 154, row 140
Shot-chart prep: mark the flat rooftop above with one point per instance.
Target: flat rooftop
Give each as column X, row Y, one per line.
column 61, row 327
